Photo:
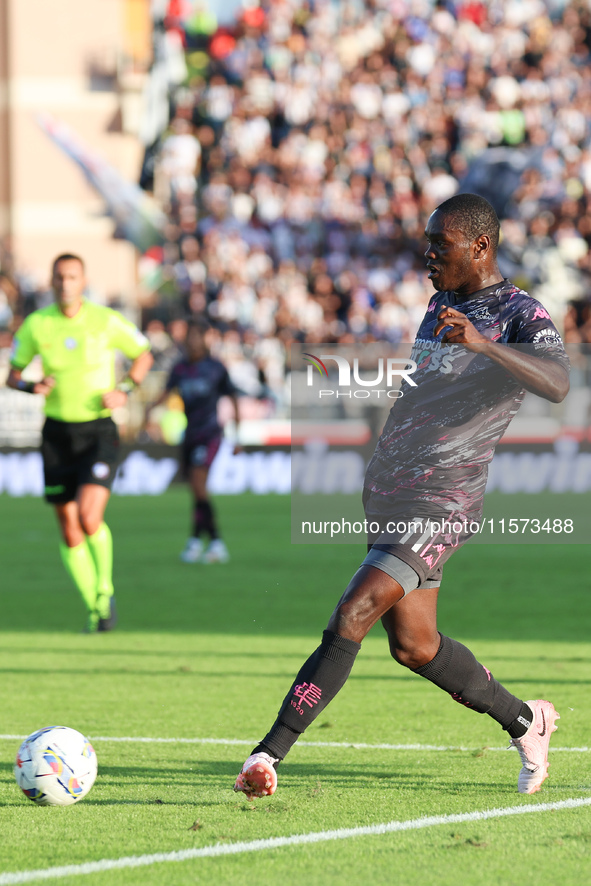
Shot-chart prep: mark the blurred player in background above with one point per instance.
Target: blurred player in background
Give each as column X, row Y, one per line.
column 201, row 381
column 76, row 341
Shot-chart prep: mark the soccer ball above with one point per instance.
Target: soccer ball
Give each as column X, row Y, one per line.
column 55, row 766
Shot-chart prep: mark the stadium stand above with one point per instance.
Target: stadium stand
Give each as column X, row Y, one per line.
column 307, row 146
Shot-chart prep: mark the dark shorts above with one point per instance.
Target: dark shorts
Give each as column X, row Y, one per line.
column 423, row 541
column 200, row 454
column 76, row 453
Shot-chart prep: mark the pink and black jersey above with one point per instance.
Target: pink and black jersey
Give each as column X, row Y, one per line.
column 200, row 385
column 441, row 435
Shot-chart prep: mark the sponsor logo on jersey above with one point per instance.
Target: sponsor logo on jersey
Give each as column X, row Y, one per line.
column 195, row 387
column 431, row 355
column 480, row 314
column 546, row 338
column 100, row 470
column 71, row 343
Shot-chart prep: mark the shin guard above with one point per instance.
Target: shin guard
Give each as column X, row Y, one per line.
column 317, row 683
column 455, row 670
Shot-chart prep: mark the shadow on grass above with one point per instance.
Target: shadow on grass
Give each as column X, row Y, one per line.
column 192, row 675
column 287, row 675
column 196, row 655
column 309, row 779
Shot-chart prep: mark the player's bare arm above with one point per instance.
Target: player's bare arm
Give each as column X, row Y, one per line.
column 137, row 373
column 237, row 446
column 15, row 380
column 157, row 402
column 541, row 376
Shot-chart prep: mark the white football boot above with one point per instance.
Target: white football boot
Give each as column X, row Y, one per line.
column 193, row 551
column 217, row 552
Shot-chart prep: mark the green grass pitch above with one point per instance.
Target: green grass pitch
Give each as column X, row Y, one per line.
column 209, row 652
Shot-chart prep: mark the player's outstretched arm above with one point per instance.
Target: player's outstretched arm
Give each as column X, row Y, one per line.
column 15, row 380
column 542, row 376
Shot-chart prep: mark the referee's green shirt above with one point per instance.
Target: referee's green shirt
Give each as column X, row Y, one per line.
column 79, row 352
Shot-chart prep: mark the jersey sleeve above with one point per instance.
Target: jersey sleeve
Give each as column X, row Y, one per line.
column 226, row 387
column 126, row 337
column 24, row 347
column 532, row 325
column 172, row 381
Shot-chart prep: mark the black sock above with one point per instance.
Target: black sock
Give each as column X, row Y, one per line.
column 316, row 684
column 455, row 670
column 521, row 724
column 263, row 749
column 204, row 519
column 198, row 522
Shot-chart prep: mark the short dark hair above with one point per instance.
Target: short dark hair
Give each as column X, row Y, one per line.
column 475, row 216
column 198, row 322
column 66, row 256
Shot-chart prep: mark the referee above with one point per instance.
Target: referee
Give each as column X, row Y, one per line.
column 76, row 341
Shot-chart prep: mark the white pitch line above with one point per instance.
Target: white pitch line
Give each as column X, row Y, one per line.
column 301, row 744
column 219, row 849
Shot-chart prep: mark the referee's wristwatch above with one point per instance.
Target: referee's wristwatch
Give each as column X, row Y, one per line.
column 127, row 385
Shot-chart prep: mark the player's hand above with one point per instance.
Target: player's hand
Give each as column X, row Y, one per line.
column 460, row 330
column 114, row 399
column 44, row 386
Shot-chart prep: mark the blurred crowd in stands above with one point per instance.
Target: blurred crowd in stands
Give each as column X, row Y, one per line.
column 309, row 143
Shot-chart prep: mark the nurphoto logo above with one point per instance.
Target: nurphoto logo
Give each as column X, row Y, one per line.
column 390, row 372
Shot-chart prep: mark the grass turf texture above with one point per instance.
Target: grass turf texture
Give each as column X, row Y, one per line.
column 210, row 651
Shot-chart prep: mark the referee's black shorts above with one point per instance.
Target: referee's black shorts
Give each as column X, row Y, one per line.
column 76, row 453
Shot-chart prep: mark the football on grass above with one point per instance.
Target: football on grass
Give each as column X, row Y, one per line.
column 55, row 766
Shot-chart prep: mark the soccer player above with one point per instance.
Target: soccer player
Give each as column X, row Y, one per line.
column 430, row 466
column 76, row 341
column 201, row 381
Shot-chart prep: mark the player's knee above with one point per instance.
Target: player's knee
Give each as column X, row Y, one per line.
column 89, row 522
column 348, row 621
column 411, row 656
column 72, row 534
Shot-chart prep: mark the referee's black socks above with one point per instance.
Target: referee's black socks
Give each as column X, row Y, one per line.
column 317, row 683
column 455, row 670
